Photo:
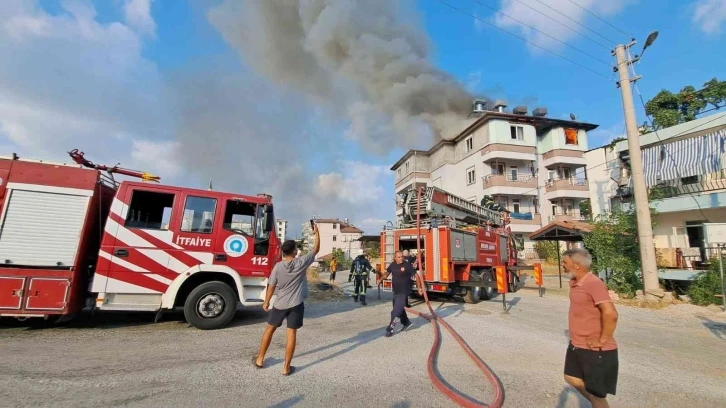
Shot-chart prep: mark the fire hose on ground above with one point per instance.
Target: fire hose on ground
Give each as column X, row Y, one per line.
column 451, row 393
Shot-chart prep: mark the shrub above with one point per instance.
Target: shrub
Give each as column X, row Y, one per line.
column 547, row 250
column 707, row 285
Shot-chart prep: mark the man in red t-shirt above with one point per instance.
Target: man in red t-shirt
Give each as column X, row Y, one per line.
column 591, row 363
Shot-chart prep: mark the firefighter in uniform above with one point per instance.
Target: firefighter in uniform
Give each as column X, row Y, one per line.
column 359, row 271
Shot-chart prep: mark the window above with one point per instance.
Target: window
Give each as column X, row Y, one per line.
column 514, row 170
column 470, row 176
column 335, row 226
column 535, row 204
column 516, row 132
column 570, row 136
column 150, row 210
column 198, row 214
column 569, row 207
column 515, row 205
column 398, row 173
column 239, row 217
column 335, row 237
column 500, row 169
column 261, row 234
column 406, row 167
column 554, row 209
column 469, row 144
column 566, row 173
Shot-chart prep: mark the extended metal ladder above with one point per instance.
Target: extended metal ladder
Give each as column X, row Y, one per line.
column 452, row 206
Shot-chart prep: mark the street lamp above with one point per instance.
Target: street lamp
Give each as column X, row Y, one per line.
column 648, row 42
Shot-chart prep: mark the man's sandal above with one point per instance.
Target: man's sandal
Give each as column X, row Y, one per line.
column 254, row 361
column 292, row 370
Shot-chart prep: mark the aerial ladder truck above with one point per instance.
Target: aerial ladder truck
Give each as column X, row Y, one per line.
column 462, row 243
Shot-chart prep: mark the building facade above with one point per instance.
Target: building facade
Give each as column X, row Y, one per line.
column 281, row 226
column 530, row 164
column 334, row 234
column 685, row 165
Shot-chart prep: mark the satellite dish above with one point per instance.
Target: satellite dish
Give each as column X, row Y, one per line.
column 572, row 116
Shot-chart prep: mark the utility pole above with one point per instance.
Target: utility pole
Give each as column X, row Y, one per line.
column 642, row 208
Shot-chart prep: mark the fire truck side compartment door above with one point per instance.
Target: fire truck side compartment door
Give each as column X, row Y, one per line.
column 47, row 294
column 11, row 292
column 42, row 228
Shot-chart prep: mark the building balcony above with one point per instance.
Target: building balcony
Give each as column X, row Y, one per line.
column 525, row 218
column 508, row 184
column 567, row 188
column 510, row 152
column 567, row 217
column 563, row 157
column 524, row 222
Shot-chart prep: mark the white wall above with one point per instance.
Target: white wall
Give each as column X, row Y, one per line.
column 499, row 131
column 602, row 167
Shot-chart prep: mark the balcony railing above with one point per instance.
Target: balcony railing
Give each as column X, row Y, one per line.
column 568, row 217
column 510, row 180
column 527, row 218
column 572, row 183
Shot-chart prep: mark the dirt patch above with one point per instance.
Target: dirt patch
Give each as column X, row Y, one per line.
column 319, row 289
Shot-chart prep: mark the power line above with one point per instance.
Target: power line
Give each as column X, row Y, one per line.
column 523, row 39
column 540, row 31
column 571, row 19
column 599, row 18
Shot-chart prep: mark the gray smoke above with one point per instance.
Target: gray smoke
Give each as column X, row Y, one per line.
column 367, row 61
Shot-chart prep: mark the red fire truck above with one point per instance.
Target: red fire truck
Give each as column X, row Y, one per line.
column 71, row 236
column 462, row 243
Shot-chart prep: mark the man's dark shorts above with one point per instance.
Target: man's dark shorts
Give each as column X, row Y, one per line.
column 598, row 369
column 294, row 316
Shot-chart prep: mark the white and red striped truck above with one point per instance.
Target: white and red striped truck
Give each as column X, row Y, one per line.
column 72, row 237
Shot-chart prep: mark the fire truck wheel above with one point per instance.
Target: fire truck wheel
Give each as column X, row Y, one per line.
column 210, row 305
column 473, row 294
column 487, row 293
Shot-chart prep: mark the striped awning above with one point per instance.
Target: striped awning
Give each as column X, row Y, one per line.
column 684, row 158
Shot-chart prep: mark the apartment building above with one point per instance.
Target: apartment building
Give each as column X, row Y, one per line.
column 531, row 164
column 334, row 234
column 685, row 163
column 281, row 227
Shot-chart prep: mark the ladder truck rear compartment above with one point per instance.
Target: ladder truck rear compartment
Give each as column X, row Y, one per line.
column 72, row 237
column 462, row 244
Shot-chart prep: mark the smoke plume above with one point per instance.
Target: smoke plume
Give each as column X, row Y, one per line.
column 367, row 61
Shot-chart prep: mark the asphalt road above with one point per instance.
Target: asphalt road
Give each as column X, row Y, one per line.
column 673, row 357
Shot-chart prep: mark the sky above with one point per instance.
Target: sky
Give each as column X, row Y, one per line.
column 313, row 101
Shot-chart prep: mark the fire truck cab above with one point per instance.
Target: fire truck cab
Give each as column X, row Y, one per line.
column 71, row 236
column 462, row 244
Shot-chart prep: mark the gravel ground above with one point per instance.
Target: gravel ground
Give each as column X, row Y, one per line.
column 671, row 357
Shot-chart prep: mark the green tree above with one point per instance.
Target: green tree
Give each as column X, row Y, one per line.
column 339, row 256
column 585, row 209
column 547, row 250
column 372, row 249
column 670, row 109
column 614, row 245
